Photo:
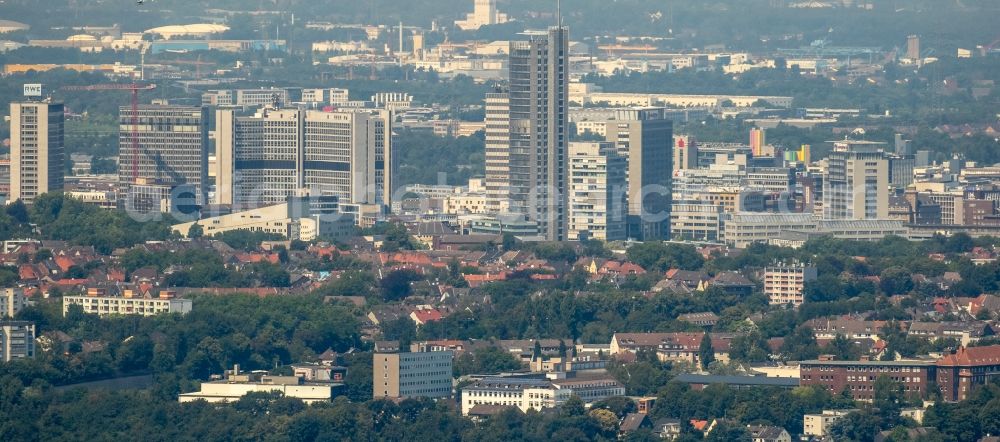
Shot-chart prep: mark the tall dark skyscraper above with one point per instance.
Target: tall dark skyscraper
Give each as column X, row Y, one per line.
column 538, row 97
column 172, row 151
column 645, row 138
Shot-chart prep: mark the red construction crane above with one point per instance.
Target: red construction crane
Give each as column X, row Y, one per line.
column 134, row 88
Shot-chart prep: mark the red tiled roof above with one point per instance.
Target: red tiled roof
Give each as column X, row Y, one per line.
column 989, row 355
column 425, row 316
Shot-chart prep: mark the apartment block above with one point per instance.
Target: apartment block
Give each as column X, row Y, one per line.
column 784, row 284
column 597, row 204
column 97, row 302
column 17, row 340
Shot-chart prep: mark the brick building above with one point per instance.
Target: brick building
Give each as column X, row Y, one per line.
column 962, row 371
column 859, row 376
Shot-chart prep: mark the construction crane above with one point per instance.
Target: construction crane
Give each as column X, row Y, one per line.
column 134, row 88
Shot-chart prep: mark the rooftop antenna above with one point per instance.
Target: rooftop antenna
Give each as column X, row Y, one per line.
column 559, row 14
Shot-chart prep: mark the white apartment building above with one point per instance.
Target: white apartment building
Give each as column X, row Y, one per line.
column 96, row 302
column 597, row 192
column 784, row 284
column 818, row 425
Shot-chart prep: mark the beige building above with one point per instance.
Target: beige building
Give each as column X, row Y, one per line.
column 98, row 303
column 818, row 425
column 784, row 284
column 417, row 374
column 237, row 385
column 465, row 204
column 36, row 150
column 12, row 300
column 17, row 340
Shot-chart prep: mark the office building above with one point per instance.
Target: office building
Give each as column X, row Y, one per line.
column 17, row 340
column 331, row 96
column 856, row 183
column 12, row 300
column 742, row 229
column 98, row 302
column 685, row 155
column 758, row 141
column 303, row 219
column 858, row 377
column 406, row 375
column 597, row 206
column 169, row 153
column 497, row 151
column 238, row 384
column 696, row 221
column 913, row 47
column 784, row 283
column 484, row 13
column 264, row 159
column 645, row 138
column 37, row 162
column 539, row 119
column 247, row 97
column 901, row 170
column 527, row 392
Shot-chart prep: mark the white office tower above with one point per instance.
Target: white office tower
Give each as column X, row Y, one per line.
column 856, row 184
column 597, row 204
column 36, row 150
column 268, row 157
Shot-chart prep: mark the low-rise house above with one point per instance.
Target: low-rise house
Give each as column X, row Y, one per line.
column 667, row 428
column 633, row 422
column 760, row 433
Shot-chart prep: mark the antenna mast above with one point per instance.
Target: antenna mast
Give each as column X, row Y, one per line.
column 559, row 14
